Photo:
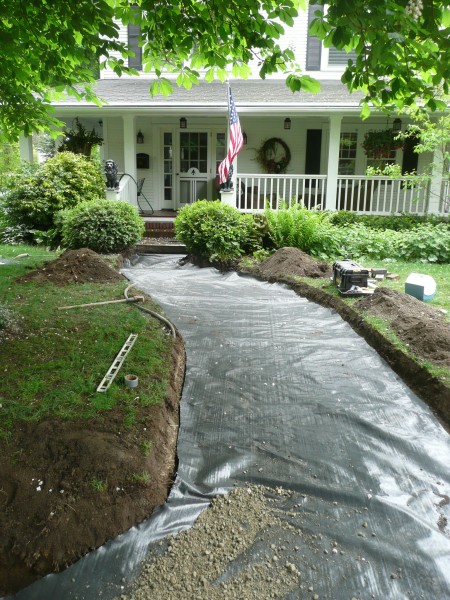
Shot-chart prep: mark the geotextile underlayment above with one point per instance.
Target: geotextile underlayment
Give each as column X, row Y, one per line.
column 282, row 393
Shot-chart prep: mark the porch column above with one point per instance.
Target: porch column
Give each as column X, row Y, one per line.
column 26, row 148
column 129, row 150
column 434, row 198
column 333, row 161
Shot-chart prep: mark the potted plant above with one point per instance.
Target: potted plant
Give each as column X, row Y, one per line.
column 380, row 143
column 79, row 140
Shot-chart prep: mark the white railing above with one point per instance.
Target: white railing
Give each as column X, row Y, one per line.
column 256, row 191
column 357, row 193
column 382, row 195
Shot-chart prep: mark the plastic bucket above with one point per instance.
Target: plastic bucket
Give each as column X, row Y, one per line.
column 422, row 287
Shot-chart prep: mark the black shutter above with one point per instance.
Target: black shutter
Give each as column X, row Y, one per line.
column 313, row 151
column 313, row 44
column 134, row 32
column 410, row 158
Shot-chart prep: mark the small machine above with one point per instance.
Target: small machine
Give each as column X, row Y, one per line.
column 348, row 274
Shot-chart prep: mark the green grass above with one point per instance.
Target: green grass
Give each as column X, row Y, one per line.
column 53, row 365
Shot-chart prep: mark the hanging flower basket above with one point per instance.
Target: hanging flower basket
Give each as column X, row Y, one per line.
column 274, row 156
column 380, row 143
column 80, row 141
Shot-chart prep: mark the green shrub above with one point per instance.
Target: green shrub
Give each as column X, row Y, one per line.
column 213, row 230
column 105, row 226
column 427, row 243
column 298, row 227
column 35, row 193
column 400, row 222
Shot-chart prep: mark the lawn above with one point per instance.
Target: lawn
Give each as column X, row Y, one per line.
column 55, row 360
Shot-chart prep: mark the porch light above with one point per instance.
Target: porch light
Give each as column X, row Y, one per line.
column 140, row 137
column 183, row 123
column 245, row 138
column 287, row 123
column 397, row 125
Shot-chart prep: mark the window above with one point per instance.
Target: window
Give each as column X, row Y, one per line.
column 347, row 153
column 318, row 57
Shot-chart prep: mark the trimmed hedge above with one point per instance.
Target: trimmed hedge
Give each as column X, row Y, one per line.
column 214, row 230
column 105, row 226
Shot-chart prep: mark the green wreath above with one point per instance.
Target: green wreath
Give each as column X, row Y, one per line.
column 274, row 156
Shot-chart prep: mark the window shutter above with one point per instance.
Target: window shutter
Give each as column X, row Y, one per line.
column 313, row 44
column 339, row 57
column 134, row 32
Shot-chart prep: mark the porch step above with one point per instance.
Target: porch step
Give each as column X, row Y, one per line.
column 154, row 246
column 159, row 229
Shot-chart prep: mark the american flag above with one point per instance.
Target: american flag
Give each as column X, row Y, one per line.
column 235, row 143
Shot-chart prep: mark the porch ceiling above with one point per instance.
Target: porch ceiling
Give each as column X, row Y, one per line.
column 251, row 96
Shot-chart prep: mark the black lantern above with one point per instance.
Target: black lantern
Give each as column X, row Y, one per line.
column 140, row 137
column 287, row 123
column 245, row 138
column 397, row 125
column 183, row 123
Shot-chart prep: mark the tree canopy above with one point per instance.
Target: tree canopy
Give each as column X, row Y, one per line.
column 48, row 47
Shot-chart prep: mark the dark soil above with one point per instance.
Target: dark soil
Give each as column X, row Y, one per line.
column 420, row 326
column 67, row 487
column 288, row 262
column 51, row 512
column 74, row 266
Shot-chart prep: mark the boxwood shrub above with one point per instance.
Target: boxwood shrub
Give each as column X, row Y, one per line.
column 105, row 226
column 213, row 230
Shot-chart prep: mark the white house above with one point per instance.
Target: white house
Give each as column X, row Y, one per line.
column 173, row 145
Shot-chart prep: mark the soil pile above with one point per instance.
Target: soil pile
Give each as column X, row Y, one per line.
column 291, row 262
column 74, row 266
column 420, row 326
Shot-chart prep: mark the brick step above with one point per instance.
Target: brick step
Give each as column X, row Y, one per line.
column 159, row 229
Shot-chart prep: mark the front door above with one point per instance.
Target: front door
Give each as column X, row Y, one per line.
column 194, row 167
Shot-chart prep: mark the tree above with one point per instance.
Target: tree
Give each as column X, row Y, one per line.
column 47, row 48
column 402, row 48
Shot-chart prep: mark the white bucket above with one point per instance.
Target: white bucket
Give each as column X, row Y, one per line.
column 422, row 287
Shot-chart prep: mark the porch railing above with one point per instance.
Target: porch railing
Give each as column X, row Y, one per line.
column 255, row 191
column 371, row 195
column 382, row 195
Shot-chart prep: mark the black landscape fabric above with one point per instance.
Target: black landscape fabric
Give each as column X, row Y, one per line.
column 282, row 392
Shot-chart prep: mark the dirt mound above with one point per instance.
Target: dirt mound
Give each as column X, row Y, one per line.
column 291, row 262
column 74, row 266
column 420, row 326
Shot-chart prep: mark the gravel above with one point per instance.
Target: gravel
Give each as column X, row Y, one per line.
column 244, row 546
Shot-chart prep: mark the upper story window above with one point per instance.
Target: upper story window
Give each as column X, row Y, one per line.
column 319, row 58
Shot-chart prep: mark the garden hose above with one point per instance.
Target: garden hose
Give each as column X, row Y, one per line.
column 153, row 313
